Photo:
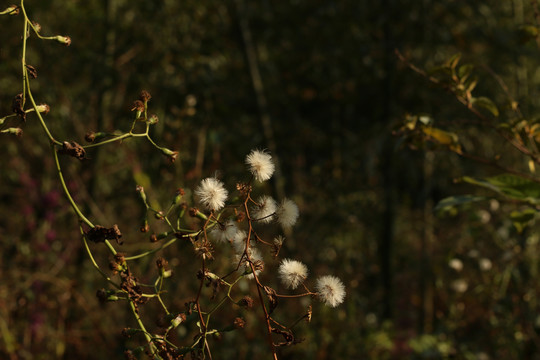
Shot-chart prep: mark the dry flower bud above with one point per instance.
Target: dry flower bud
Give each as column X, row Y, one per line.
column 66, row 40
column 73, row 149
column 11, row 10
column 239, row 323
column 172, row 155
column 14, row 131
column 161, row 263
column 141, row 192
column 194, row 212
column 145, row 96
column 37, row 27
column 17, row 106
column 153, row 119
column 180, row 318
column 145, row 227
column 246, row 302
column 43, row 108
column 153, row 238
column 138, row 106
column 178, row 197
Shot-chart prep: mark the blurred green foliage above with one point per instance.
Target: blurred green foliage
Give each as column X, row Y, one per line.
column 335, row 91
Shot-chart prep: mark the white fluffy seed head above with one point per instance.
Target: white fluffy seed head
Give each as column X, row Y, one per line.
column 211, row 194
column 331, row 290
column 292, row 273
column 264, row 210
column 260, row 165
column 223, row 232
column 287, row 213
column 239, row 242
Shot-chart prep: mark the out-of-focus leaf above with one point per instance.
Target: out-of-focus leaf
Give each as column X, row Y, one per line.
column 471, row 83
column 528, row 32
column 440, row 71
column 454, row 201
column 521, row 218
column 444, row 138
column 485, row 103
column 510, row 185
column 464, row 71
column 453, row 61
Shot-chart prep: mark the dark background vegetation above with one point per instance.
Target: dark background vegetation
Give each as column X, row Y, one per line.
column 318, row 84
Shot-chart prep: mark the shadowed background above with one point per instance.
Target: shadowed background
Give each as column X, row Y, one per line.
column 318, row 85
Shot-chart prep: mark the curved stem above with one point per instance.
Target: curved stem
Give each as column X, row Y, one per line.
column 168, row 243
column 118, row 138
column 66, row 191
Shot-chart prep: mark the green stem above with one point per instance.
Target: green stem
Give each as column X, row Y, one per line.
column 42, row 122
column 118, row 138
column 66, row 191
column 168, row 243
column 95, row 263
column 23, row 59
column 141, row 326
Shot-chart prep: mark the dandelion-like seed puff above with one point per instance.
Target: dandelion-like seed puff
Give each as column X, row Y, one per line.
column 260, row 164
column 224, row 232
column 265, row 208
column 287, row 213
column 331, row 290
column 211, row 194
column 292, row 273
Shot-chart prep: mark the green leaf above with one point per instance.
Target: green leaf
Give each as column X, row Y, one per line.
column 442, row 137
column 453, row 61
column 510, row 185
column 522, row 218
column 454, row 201
column 464, row 71
column 485, row 103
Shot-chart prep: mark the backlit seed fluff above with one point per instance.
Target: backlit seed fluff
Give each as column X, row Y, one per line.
column 331, row 290
column 239, row 241
column 211, row 194
column 224, row 232
column 292, row 273
column 287, row 213
column 264, row 210
column 260, row 164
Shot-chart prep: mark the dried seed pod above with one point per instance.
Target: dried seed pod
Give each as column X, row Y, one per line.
column 17, row 106
column 73, row 149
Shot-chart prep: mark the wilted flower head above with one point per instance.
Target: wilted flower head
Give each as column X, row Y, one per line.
column 224, row 232
column 287, row 213
column 260, row 164
column 331, row 290
column 211, row 194
column 265, row 208
column 292, row 273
